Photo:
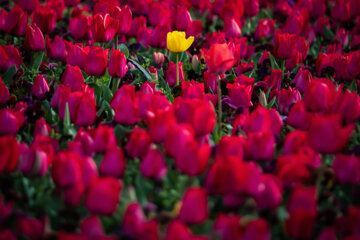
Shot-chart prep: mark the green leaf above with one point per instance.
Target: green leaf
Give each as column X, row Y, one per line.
column 328, row 33
column 183, row 57
column 67, row 119
column 274, row 64
column 143, row 70
column 124, row 49
column 38, row 56
column 8, row 75
column 353, row 86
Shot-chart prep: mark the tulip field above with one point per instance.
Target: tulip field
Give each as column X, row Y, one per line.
column 180, row 119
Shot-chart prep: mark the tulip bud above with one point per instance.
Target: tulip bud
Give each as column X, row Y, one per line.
column 158, row 58
column 9, row 153
column 262, row 99
column 139, row 143
column 10, row 122
column 195, row 64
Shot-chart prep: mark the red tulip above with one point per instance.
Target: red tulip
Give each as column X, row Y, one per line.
column 67, row 170
column 79, row 27
column 9, row 153
column 30, row 227
column 227, row 227
column 104, row 27
column 40, row 87
column 260, row 146
column 34, row 39
column 219, row 58
column 303, row 210
column 158, row 58
column 347, row 104
column 240, row 95
column 91, row 227
column 96, row 61
column 104, row 138
column 33, row 160
column 298, row 117
column 138, row 144
column 265, row 28
column 124, row 16
column 103, row 196
column 73, row 77
column 176, row 230
column 153, row 164
column 302, row 79
column 347, row 169
column 133, row 220
column 327, row 135
column 71, row 3
column 84, row 142
column 113, row 163
column 193, row 158
column 287, row 97
column 41, row 127
column 77, row 56
column 270, row 196
column 287, row 45
column 194, row 207
column 60, row 96
column 57, row 6
column 319, row 95
column 10, row 121
column 117, row 64
column 230, row 175
column 183, row 19
column 198, row 113
column 171, row 74
column 29, row 5
column 231, row 29
column 82, row 108
column 159, row 123
column 192, row 90
column 4, row 93
column 57, row 48
column 125, row 105
column 44, row 18
column 16, row 21
column 295, row 22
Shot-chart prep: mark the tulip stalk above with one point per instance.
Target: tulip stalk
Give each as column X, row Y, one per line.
column 219, row 105
column 177, row 69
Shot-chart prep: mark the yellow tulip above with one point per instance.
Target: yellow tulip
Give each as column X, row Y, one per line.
column 176, row 41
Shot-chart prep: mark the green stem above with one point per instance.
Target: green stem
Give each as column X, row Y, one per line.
column 116, row 41
column 177, row 69
column 219, row 105
column 115, row 85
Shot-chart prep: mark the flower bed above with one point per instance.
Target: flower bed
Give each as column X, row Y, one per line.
column 197, row 119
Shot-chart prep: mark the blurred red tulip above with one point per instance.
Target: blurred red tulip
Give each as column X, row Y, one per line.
column 44, row 18
column 73, row 77
column 194, row 207
column 96, row 61
column 4, row 93
column 347, row 169
column 153, row 164
column 103, row 196
column 327, row 135
column 34, row 39
column 104, row 27
column 171, row 74
column 40, row 87
column 113, row 163
column 15, row 21
column 138, row 143
column 9, row 153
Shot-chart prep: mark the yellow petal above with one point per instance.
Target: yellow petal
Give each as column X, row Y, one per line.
column 176, row 41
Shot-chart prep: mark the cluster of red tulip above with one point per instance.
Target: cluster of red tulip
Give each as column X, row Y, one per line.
column 180, row 120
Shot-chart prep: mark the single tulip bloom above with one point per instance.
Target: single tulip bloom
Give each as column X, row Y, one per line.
column 219, row 58
column 40, row 87
column 176, row 41
column 117, row 64
column 34, row 39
